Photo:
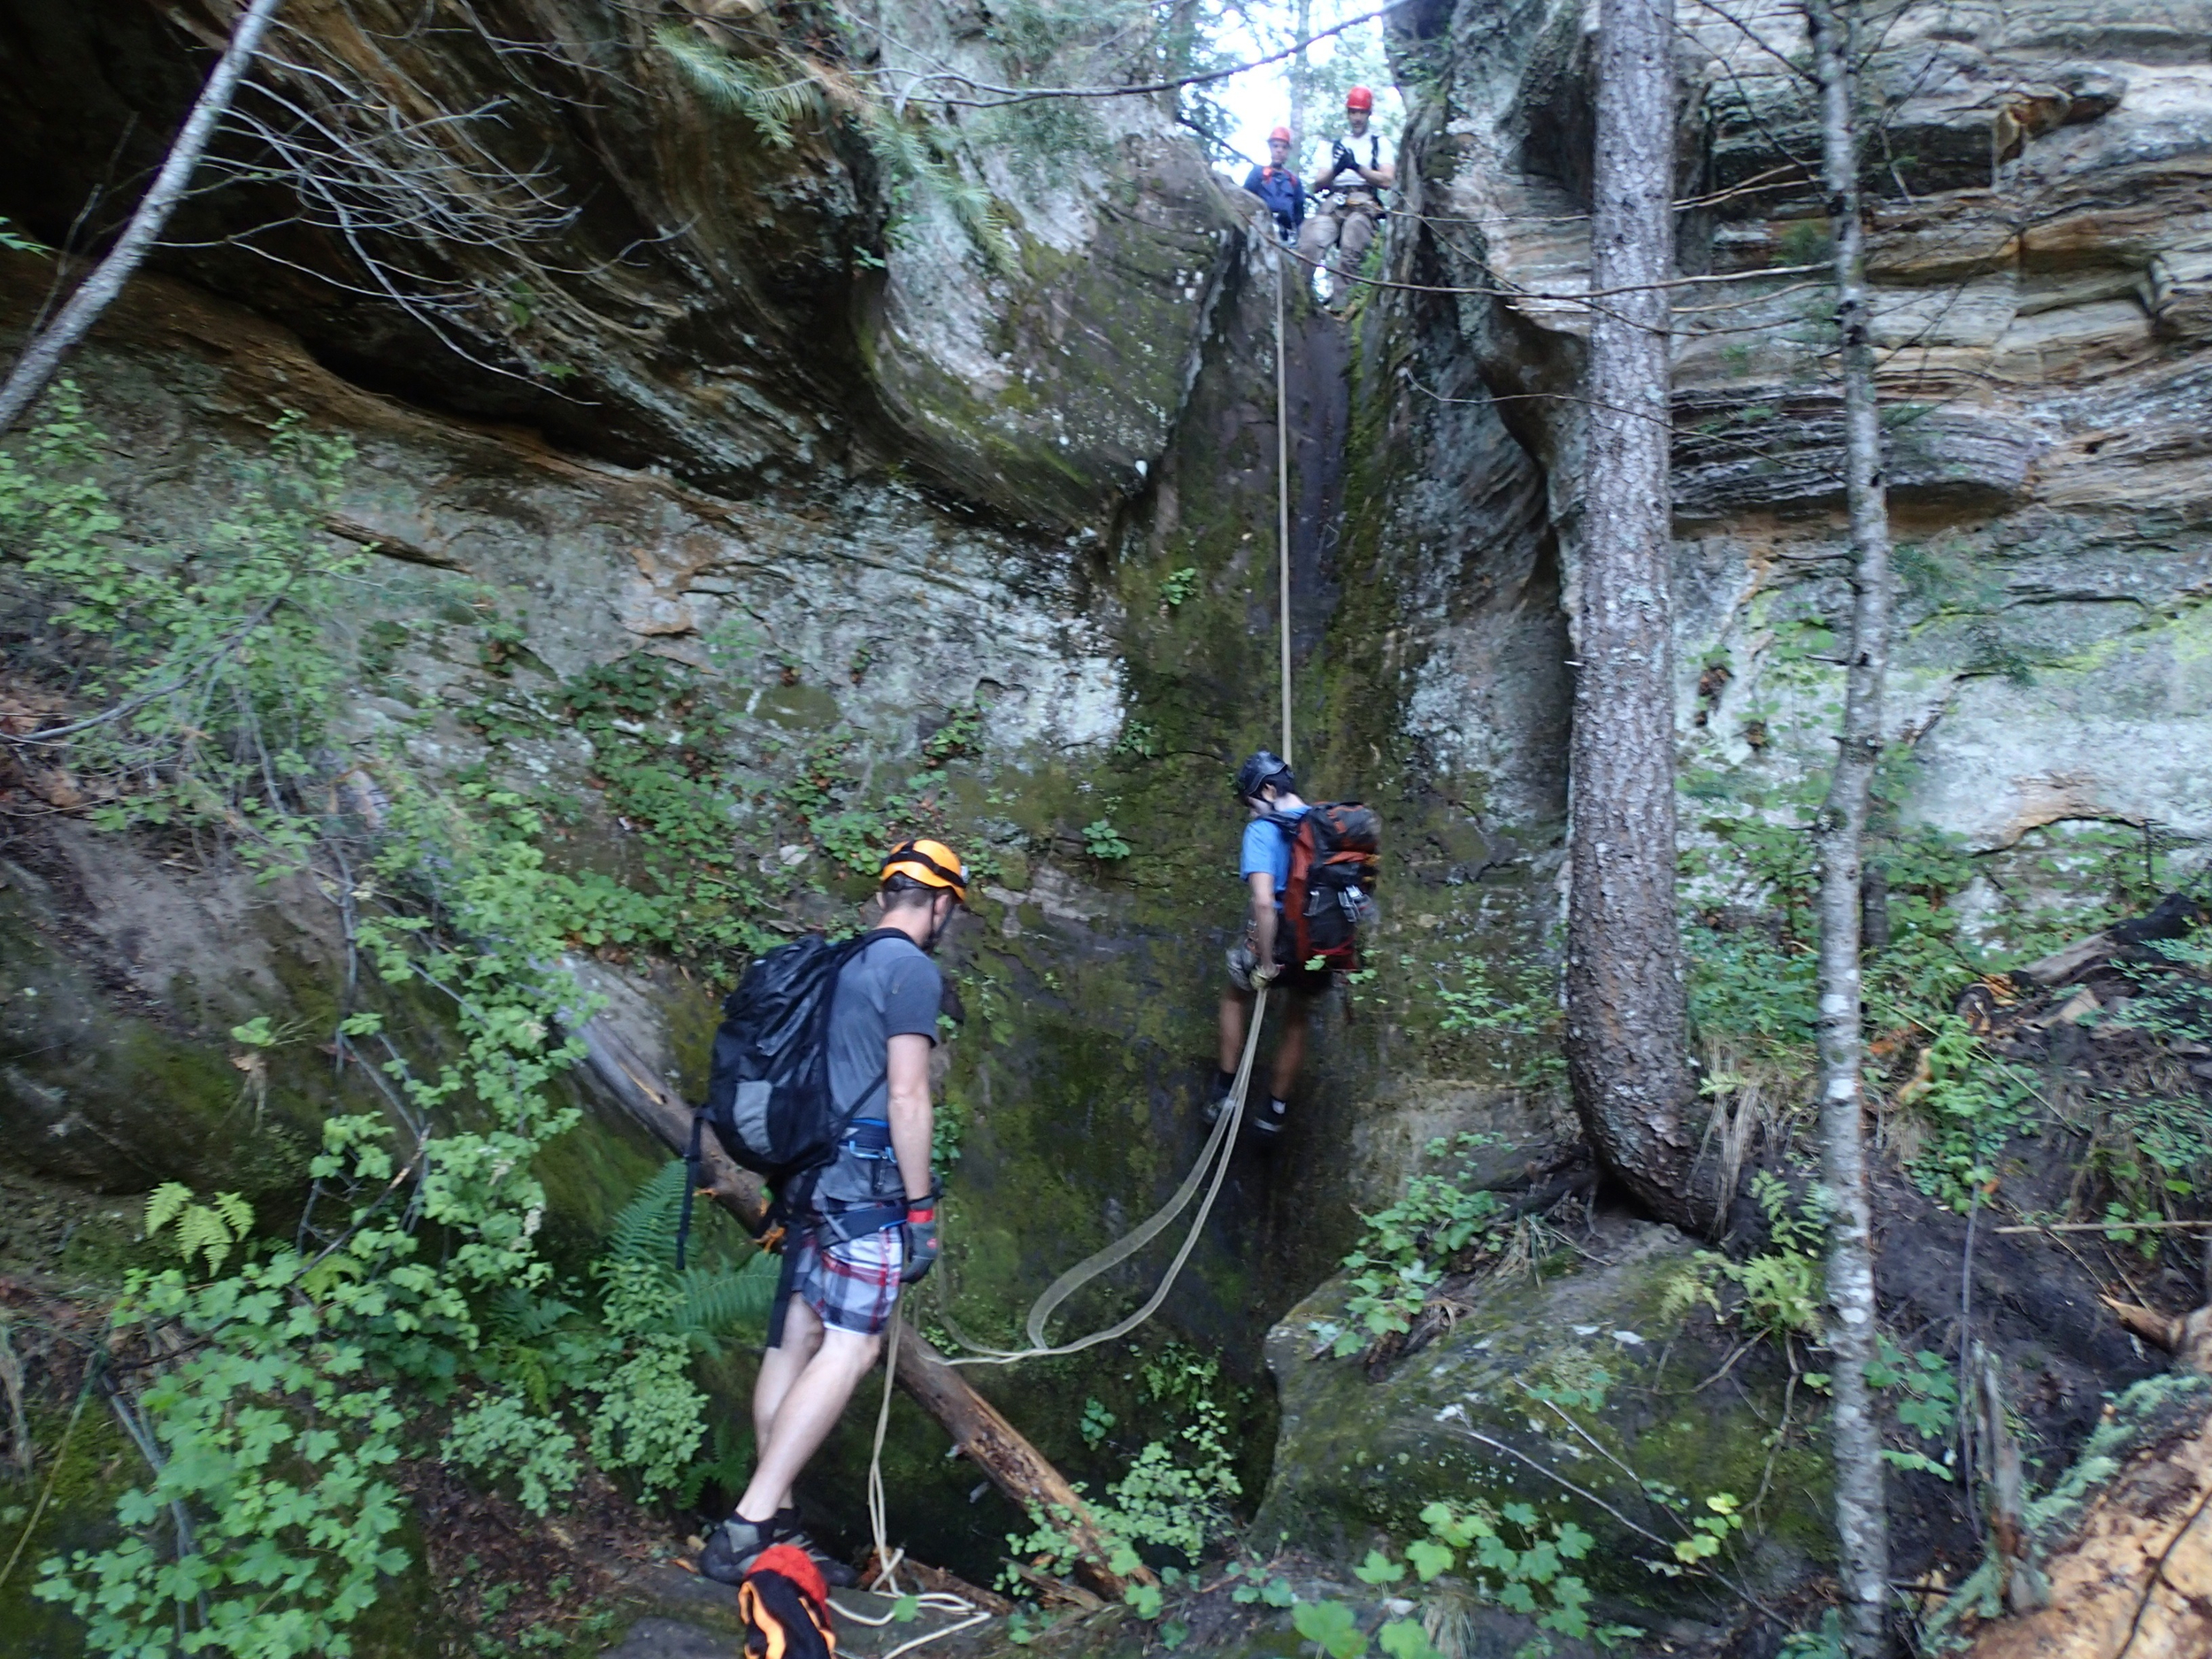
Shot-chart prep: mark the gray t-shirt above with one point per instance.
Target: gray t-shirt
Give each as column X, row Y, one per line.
column 890, row 989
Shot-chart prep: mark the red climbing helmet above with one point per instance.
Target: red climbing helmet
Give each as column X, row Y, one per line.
column 1359, row 99
column 1282, row 132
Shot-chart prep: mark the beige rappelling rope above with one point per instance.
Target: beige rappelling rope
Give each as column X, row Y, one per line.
column 1215, row 1156
column 1282, row 501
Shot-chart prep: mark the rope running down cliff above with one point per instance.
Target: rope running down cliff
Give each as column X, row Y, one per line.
column 1222, row 1141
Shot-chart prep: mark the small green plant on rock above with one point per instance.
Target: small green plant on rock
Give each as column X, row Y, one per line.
column 1781, row 1289
column 1104, row 842
column 1443, row 1223
column 1176, row 1493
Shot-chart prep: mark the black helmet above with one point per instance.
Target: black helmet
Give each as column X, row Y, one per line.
column 1264, row 767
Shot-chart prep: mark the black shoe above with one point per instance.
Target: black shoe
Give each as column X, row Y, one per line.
column 835, row 1573
column 735, row 1546
column 1269, row 1120
column 1218, row 1098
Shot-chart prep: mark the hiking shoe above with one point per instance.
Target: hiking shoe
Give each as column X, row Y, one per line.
column 1218, row 1097
column 835, row 1573
column 1269, row 1120
column 735, row 1546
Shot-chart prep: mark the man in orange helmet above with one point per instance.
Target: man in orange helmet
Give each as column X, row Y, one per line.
column 1349, row 180
column 1277, row 186
column 869, row 1224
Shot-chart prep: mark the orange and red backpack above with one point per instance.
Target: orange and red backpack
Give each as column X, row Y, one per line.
column 1334, row 847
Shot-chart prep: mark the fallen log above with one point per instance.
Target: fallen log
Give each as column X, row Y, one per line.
column 977, row 1427
column 2172, row 918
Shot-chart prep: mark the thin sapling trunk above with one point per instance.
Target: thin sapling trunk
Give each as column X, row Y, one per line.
column 1861, row 1521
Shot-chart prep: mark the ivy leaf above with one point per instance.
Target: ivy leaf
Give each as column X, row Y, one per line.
column 1404, row 1638
column 1379, row 1569
column 1277, row 1593
column 1330, row 1626
column 1573, row 1542
column 1429, row 1558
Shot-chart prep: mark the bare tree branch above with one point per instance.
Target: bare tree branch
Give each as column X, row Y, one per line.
column 43, row 356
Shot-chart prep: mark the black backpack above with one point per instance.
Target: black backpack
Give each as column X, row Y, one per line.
column 768, row 1087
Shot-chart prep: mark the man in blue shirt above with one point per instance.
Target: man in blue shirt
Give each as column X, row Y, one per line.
column 1270, row 793
column 1277, row 186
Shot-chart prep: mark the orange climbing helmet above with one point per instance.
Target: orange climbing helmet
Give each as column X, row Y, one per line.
column 1359, row 99
column 932, row 864
column 1282, row 132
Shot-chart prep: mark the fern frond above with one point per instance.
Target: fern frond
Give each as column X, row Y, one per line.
column 777, row 98
column 719, row 1301
column 645, row 1231
column 518, row 1316
column 236, row 1211
column 164, row 1205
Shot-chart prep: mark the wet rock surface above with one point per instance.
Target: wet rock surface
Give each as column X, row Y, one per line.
column 861, row 498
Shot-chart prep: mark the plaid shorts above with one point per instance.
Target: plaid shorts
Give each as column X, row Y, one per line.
column 851, row 1286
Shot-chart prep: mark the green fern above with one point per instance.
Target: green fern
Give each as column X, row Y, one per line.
column 213, row 1229
column 164, row 1204
column 775, row 105
column 704, row 1304
column 645, row 1231
column 919, row 157
column 719, row 1301
column 516, row 1314
column 730, row 1468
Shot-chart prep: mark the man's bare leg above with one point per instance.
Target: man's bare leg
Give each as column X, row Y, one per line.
column 780, row 1367
column 812, row 1401
column 1236, row 1008
column 1290, row 1045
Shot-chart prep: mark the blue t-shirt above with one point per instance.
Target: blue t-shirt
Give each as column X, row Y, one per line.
column 1266, row 850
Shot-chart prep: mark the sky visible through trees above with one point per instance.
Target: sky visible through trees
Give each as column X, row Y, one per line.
column 1260, row 100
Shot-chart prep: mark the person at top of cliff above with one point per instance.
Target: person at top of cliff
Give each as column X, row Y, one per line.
column 1351, row 178
column 1277, row 186
column 869, row 1221
column 1263, row 957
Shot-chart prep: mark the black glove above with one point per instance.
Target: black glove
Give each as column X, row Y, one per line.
column 1344, row 160
column 917, row 1235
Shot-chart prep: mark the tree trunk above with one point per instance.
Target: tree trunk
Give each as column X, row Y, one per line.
column 985, row 1437
column 1301, row 140
column 1627, row 1036
column 43, row 353
column 1839, row 832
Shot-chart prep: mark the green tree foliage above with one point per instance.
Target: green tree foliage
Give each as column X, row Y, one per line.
column 409, row 1311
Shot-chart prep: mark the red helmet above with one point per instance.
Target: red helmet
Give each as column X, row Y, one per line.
column 1282, row 132
column 1359, row 99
